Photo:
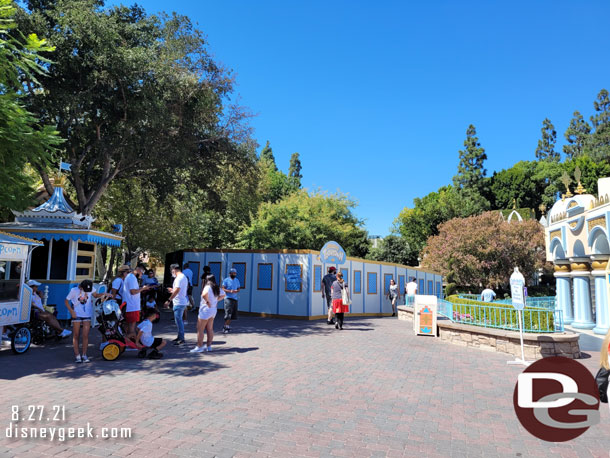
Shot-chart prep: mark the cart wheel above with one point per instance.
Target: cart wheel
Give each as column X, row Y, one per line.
column 111, row 352
column 21, row 340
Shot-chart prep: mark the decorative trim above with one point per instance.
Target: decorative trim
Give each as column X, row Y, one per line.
column 555, row 234
column 580, row 267
column 598, row 221
column 599, row 265
column 562, row 267
column 576, row 224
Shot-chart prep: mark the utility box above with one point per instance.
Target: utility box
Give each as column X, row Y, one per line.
column 424, row 315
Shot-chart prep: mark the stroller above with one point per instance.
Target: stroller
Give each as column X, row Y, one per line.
column 110, row 321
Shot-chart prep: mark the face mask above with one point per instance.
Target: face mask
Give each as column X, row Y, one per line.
column 233, row 275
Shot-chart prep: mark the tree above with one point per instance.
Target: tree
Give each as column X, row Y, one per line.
column 304, row 220
column 267, row 156
column 546, row 145
column 134, row 95
column 600, row 138
column 470, row 182
column 483, row 249
column 392, row 248
column 23, row 138
column 516, row 186
column 577, row 135
column 295, row 168
column 471, row 171
column 415, row 225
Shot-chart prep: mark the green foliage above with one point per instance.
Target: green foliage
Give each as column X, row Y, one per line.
column 268, row 157
column 600, row 137
column 304, row 220
column 577, row 135
column 471, row 169
column 415, row 225
column 134, row 95
column 392, row 248
column 295, row 168
column 23, row 138
column 479, row 313
column 546, row 145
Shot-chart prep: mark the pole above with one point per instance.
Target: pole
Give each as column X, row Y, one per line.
column 521, row 336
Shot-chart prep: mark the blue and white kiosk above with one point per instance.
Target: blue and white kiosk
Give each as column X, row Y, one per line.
column 67, row 254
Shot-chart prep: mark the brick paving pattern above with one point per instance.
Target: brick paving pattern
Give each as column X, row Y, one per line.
column 285, row 388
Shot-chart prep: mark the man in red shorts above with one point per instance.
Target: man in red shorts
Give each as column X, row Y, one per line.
column 131, row 296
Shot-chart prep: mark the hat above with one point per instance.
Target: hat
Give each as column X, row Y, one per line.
column 332, row 269
column 33, row 283
column 233, row 271
column 86, row 285
column 124, row 268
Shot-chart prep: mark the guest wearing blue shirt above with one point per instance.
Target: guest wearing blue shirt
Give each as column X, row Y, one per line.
column 231, row 286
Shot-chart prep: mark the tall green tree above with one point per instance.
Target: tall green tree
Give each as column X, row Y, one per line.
column 600, row 137
column 546, row 145
column 306, row 220
column 392, row 248
column 470, row 182
column 577, row 135
column 294, row 170
column 23, row 137
column 267, row 156
column 134, row 95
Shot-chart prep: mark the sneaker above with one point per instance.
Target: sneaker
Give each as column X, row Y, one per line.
column 198, row 349
column 209, row 348
column 85, row 359
column 155, row 355
column 178, row 342
column 65, row 333
column 142, row 353
column 176, row 339
column 330, row 322
column 336, row 325
column 78, row 359
column 225, row 330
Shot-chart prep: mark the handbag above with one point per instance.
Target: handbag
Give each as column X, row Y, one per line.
column 602, row 383
column 344, row 297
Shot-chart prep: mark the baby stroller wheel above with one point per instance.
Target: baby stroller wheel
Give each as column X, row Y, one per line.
column 111, row 352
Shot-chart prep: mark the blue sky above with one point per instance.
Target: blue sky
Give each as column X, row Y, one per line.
column 376, row 96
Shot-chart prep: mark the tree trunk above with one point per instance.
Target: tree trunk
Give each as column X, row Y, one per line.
column 101, row 268
column 109, row 271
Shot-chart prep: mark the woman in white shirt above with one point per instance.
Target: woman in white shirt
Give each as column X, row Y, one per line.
column 210, row 296
column 393, row 295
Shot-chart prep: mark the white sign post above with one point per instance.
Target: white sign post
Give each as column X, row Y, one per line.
column 517, row 293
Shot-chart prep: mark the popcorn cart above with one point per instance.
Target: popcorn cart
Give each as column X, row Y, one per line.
column 15, row 295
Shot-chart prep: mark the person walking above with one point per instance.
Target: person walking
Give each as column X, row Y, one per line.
column 210, row 296
column 78, row 303
column 488, row 294
column 411, row 291
column 338, row 288
column 327, row 283
column 188, row 273
column 393, row 295
column 231, row 287
column 179, row 299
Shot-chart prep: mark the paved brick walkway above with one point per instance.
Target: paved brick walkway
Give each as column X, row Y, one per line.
column 286, row 388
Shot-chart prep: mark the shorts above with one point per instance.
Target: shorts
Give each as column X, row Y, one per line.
column 189, row 290
column 132, row 317
column 329, row 301
column 230, row 309
column 81, row 319
column 156, row 342
column 205, row 313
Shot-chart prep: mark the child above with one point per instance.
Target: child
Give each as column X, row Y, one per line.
column 151, row 304
column 146, row 338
